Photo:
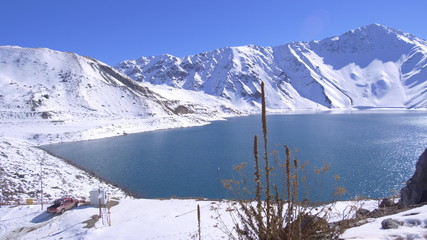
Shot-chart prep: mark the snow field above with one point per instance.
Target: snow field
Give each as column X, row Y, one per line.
column 177, row 219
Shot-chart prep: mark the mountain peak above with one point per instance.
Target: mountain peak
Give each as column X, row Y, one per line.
column 378, row 32
column 368, row 38
column 376, row 26
column 374, row 30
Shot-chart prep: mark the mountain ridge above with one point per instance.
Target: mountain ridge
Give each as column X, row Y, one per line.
column 51, row 96
column 44, row 80
column 372, row 66
column 40, row 82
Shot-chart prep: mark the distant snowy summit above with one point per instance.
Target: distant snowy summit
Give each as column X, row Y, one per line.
column 369, row 67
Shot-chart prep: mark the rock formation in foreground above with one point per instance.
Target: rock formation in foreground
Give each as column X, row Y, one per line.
column 415, row 190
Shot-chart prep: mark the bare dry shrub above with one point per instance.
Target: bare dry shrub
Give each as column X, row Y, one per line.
column 275, row 211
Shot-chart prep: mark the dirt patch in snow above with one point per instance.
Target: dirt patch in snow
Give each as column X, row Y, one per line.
column 92, row 221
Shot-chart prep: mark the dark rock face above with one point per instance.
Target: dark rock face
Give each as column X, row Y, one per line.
column 415, row 191
column 182, row 110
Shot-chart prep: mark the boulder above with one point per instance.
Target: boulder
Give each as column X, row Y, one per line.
column 312, row 221
column 390, row 223
column 415, row 190
column 361, row 212
column 314, row 227
column 386, row 202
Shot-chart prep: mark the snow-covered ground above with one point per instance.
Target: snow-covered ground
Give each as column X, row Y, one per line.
column 414, row 227
column 131, row 219
column 176, row 219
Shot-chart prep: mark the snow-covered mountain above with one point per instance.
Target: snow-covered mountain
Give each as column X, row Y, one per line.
column 51, row 84
column 42, row 83
column 373, row 66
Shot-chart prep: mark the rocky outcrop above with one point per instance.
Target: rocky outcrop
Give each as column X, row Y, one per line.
column 361, row 213
column 415, row 190
column 386, row 202
column 390, row 224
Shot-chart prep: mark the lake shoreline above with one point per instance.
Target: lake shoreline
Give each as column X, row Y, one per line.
column 22, row 155
column 92, row 174
column 146, row 188
column 35, row 134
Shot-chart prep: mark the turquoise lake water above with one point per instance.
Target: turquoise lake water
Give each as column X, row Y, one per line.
column 372, row 152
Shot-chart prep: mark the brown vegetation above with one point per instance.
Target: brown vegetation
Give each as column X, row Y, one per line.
column 275, row 211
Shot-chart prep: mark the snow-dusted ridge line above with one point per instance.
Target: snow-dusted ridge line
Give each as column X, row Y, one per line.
column 372, row 66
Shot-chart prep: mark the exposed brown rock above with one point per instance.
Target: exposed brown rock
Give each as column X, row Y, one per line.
column 415, row 190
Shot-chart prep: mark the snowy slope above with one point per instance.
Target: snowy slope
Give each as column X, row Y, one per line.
column 44, row 83
column 20, row 167
column 373, row 66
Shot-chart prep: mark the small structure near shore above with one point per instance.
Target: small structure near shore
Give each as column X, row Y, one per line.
column 98, row 197
column 415, row 190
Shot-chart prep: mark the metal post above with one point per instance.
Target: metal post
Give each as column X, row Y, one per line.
column 99, row 201
column 198, row 222
column 108, row 206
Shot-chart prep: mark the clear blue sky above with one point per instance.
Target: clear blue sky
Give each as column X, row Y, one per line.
column 113, row 31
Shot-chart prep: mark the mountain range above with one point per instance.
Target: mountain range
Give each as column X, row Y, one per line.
column 42, row 83
column 369, row 67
